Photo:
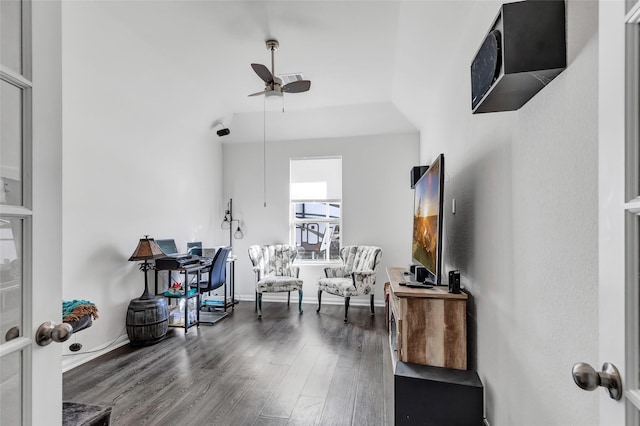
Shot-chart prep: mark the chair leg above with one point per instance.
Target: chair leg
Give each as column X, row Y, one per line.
column 288, row 298
column 259, row 304
column 300, row 300
column 372, row 311
column 346, row 308
column 256, row 302
column 319, row 300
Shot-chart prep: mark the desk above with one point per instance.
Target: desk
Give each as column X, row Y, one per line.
column 426, row 326
column 187, row 295
column 231, row 278
column 211, row 309
column 228, row 300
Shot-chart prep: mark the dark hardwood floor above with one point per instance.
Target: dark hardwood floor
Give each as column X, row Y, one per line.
column 284, row 369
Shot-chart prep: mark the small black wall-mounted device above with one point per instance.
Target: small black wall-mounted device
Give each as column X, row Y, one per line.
column 223, row 132
column 416, row 174
column 454, row 282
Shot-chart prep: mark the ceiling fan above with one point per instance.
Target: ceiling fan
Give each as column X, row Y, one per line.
column 273, row 85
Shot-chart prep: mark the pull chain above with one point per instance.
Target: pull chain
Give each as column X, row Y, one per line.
column 264, row 150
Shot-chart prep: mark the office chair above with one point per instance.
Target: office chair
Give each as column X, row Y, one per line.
column 217, row 277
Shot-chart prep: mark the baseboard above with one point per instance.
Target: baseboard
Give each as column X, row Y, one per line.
column 73, row 360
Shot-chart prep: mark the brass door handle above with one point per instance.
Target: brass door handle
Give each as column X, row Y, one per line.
column 587, row 378
column 50, row 332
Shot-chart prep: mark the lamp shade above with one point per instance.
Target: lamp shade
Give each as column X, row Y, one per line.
column 226, row 224
column 238, row 234
column 147, row 249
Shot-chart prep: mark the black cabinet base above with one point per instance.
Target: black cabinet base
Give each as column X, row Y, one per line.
column 436, row 396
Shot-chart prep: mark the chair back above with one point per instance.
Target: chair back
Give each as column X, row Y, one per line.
column 360, row 258
column 273, row 259
column 218, row 272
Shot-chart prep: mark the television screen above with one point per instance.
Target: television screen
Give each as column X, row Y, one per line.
column 427, row 220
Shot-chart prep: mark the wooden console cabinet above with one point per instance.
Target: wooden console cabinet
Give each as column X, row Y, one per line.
column 427, row 326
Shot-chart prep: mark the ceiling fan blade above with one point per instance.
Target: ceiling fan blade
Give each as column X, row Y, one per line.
column 263, row 72
column 297, row 86
column 258, row 93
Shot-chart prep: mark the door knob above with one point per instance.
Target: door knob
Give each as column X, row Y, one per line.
column 12, row 333
column 50, row 332
column 587, row 378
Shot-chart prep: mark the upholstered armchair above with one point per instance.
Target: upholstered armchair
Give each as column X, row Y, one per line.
column 356, row 277
column 275, row 272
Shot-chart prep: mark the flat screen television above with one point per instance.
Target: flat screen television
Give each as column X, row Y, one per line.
column 427, row 221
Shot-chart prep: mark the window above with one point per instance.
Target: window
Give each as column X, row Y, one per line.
column 316, row 208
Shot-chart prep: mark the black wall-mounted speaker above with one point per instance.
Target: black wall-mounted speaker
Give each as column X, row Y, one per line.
column 416, row 174
column 523, row 51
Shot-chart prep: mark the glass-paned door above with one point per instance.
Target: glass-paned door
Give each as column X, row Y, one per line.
column 15, row 211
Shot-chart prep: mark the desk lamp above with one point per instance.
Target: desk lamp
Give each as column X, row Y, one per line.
column 147, row 249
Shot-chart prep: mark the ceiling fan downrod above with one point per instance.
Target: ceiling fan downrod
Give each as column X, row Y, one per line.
column 273, row 45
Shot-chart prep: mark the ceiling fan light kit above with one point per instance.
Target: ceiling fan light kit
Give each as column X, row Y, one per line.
column 273, row 93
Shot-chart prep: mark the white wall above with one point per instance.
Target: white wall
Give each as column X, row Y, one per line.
column 525, row 235
column 376, row 191
column 139, row 157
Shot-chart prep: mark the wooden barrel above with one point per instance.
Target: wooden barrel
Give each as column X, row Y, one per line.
column 147, row 320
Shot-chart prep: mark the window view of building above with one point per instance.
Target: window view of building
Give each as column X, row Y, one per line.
column 317, row 230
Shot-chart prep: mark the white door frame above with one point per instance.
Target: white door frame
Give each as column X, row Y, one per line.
column 632, row 209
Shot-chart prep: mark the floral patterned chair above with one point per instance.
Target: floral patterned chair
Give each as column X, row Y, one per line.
column 357, row 277
column 275, row 272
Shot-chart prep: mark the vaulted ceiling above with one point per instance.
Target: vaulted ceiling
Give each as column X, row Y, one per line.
column 361, row 57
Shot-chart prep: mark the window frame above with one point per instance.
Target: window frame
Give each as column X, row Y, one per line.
column 332, row 175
